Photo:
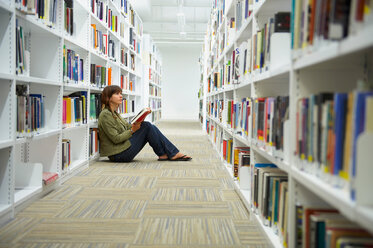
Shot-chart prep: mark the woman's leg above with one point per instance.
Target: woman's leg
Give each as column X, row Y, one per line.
column 160, row 144
column 147, row 133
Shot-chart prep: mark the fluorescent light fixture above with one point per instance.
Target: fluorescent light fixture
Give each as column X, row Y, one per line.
column 181, row 19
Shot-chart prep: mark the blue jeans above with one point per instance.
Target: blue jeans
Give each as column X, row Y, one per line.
column 147, row 133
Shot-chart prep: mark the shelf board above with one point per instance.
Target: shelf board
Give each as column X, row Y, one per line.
column 38, row 26
column 95, row 89
column 155, row 97
column 6, row 76
column 5, row 208
column 97, row 54
column 94, row 156
column 77, row 43
column 246, row 30
column 335, row 197
column 267, row 155
column 6, row 143
column 243, row 140
column 7, row 7
column 24, row 194
column 273, row 74
column 364, row 217
column 98, row 21
column 46, row 134
column 274, row 239
column 77, row 164
column 72, row 86
column 36, row 80
column 93, row 124
column 76, row 127
column 333, row 50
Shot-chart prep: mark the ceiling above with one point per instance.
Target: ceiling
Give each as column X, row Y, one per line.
column 174, row 21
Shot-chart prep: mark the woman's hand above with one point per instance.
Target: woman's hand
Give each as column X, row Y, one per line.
column 135, row 127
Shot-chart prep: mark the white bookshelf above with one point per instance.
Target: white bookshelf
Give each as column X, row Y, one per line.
column 327, row 66
column 25, row 156
column 152, row 74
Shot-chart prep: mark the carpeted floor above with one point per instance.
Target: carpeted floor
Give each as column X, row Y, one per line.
column 145, row 203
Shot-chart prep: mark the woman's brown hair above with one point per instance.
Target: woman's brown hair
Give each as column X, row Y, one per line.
column 107, row 93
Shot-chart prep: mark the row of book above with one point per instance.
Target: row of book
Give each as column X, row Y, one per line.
column 69, row 16
column 234, row 114
column 244, row 8
column 99, row 40
column 125, row 84
column 154, row 91
column 93, row 141
column 317, row 226
column 74, row 111
column 322, row 20
column 112, row 21
column 269, row 116
column 95, row 106
column 328, row 126
column 241, row 159
column 73, row 66
column 127, row 106
column 270, row 198
column 100, row 9
column 154, row 76
column 111, row 50
column 133, row 62
column 66, row 155
column 124, row 57
column 22, row 55
column 155, row 103
column 250, row 55
column 98, row 76
column 45, row 10
column 134, row 43
column 30, row 111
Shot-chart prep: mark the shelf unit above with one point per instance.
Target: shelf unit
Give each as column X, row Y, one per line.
column 24, row 156
column 324, row 66
column 153, row 75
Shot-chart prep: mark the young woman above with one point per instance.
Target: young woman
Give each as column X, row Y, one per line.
column 121, row 141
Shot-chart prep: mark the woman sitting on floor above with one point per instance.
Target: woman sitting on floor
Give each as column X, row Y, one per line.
column 121, row 141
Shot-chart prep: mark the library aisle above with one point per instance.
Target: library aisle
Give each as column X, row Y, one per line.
column 143, row 203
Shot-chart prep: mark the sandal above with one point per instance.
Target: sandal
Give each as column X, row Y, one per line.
column 182, row 158
column 163, row 159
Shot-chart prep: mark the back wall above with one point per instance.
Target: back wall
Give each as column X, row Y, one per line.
column 180, row 80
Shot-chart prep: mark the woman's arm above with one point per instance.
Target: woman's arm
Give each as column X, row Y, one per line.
column 109, row 126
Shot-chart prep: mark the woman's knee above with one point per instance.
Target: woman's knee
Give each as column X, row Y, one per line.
column 146, row 124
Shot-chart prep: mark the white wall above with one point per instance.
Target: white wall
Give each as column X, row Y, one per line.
column 180, row 82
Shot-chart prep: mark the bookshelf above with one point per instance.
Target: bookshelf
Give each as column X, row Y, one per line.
column 295, row 68
column 55, row 68
column 153, row 75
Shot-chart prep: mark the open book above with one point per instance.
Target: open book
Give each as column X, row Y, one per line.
column 141, row 115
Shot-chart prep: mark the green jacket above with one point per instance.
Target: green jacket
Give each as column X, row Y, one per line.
column 114, row 133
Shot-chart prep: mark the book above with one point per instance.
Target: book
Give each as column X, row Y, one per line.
column 140, row 117
column 49, row 177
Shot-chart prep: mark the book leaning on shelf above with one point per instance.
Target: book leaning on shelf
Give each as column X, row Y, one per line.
column 30, row 112
column 140, row 117
column 328, row 126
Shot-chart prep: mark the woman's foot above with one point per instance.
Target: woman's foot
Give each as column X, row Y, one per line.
column 163, row 157
column 181, row 157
